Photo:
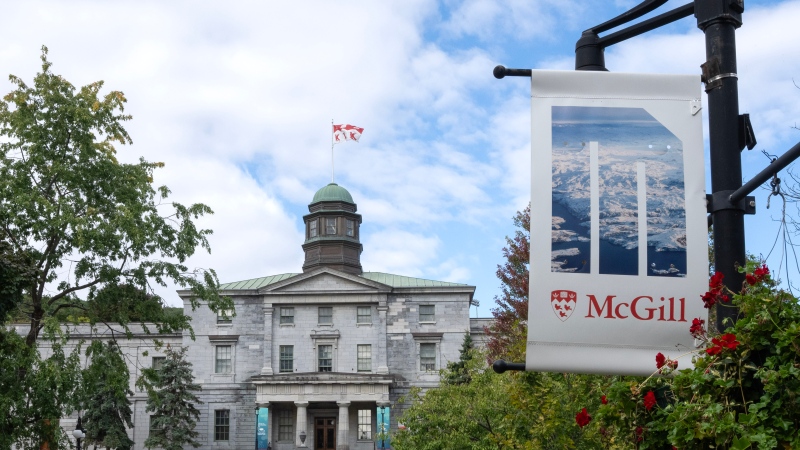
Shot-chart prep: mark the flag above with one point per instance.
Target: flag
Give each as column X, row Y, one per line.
column 343, row 133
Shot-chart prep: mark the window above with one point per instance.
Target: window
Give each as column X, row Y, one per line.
column 222, row 359
column 330, row 225
column 364, row 314
column 364, row 353
column 325, row 314
column 222, row 425
column 427, row 313
column 325, row 358
column 312, row 228
column 287, row 358
column 351, row 228
column 427, row 357
column 287, row 315
column 152, row 426
column 364, row 424
column 158, row 362
column 225, row 316
column 285, row 425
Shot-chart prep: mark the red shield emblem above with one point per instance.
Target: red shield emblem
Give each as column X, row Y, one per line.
column 563, row 303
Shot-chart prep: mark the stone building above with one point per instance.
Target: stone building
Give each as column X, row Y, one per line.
column 328, row 351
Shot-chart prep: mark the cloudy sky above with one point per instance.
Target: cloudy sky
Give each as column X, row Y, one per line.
column 237, row 98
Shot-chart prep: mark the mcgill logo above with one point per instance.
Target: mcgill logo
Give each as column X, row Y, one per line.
column 643, row 307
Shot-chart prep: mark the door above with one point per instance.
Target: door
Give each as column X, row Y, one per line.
column 325, row 433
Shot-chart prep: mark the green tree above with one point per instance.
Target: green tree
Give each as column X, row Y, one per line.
column 16, row 272
column 458, row 371
column 77, row 222
column 64, row 194
column 35, row 391
column 171, row 399
column 530, row 411
column 105, row 390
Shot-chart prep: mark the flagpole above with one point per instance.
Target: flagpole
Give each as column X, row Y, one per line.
column 332, row 151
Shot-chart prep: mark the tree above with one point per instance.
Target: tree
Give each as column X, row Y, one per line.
column 171, row 399
column 36, row 391
column 74, row 220
column 105, row 389
column 508, row 333
column 458, row 371
column 65, row 200
column 526, row 410
column 16, row 272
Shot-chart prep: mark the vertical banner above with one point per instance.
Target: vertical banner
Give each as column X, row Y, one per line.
column 262, row 429
column 619, row 246
column 382, row 440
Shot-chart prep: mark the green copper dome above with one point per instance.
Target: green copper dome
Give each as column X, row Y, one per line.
column 333, row 193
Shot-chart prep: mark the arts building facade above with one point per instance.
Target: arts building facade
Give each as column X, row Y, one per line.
column 328, row 351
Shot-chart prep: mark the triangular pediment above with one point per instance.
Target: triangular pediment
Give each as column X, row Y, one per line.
column 326, row 280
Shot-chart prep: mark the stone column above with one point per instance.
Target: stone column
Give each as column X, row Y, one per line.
column 302, row 423
column 266, row 369
column 343, row 428
column 383, row 367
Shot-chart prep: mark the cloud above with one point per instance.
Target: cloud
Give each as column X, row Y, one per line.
column 520, row 19
column 399, row 252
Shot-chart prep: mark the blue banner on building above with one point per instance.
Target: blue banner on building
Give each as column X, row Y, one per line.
column 382, row 440
column 262, row 428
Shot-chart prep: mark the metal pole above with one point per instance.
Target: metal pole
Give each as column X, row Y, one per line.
column 719, row 19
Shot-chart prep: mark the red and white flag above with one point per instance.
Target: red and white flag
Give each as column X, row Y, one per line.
column 343, row 133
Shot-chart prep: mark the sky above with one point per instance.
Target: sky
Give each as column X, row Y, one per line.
column 237, row 99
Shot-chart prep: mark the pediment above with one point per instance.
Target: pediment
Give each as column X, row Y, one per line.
column 326, row 280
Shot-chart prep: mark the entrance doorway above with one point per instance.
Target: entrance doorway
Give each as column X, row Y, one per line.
column 325, row 433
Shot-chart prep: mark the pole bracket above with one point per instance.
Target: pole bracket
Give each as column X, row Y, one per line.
column 721, row 200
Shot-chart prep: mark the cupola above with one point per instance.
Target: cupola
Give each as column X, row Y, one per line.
column 332, row 231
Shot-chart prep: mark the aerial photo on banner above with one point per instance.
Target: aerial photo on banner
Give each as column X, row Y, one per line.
column 627, row 138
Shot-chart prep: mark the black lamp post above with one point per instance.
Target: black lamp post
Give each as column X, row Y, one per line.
column 79, row 434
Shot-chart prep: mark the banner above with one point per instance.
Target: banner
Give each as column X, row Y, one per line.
column 382, row 438
column 619, row 245
column 262, row 429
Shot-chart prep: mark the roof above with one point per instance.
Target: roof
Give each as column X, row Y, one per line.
column 256, row 283
column 399, row 281
column 395, row 281
column 332, row 193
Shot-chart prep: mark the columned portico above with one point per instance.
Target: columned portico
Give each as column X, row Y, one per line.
column 302, row 422
column 328, row 396
column 343, row 429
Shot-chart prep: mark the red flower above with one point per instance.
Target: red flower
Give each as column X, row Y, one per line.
column 709, row 298
column 697, row 329
column 649, row 400
column 604, row 400
column 714, row 291
column 716, row 281
column 713, row 350
column 639, row 433
column 583, row 418
column 725, row 341
column 728, row 341
column 759, row 274
column 660, row 360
